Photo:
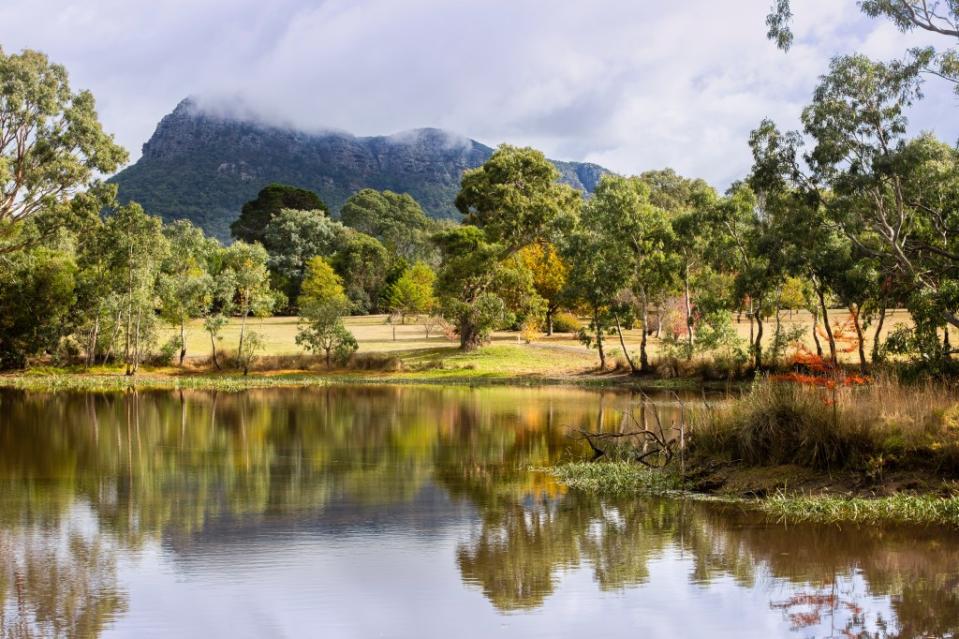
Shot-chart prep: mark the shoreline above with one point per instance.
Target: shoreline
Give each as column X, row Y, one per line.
column 836, row 499
column 46, row 380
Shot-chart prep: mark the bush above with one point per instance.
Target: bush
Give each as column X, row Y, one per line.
column 565, row 323
column 167, row 353
column 883, row 425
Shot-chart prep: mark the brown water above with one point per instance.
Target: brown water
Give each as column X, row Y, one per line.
column 406, row 512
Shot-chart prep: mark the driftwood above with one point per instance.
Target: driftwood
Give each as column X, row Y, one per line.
column 655, row 444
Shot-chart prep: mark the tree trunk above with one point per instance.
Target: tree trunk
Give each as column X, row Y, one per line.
column 758, row 346
column 239, row 348
column 854, row 311
column 876, row 354
column 469, row 339
column 689, row 314
column 92, row 349
column 946, row 344
column 216, row 362
column 825, row 322
column 815, row 332
column 550, row 311
column 599, row 342
column 622, row 342
column 778, row 333
column 643, row 355
column 182, row 339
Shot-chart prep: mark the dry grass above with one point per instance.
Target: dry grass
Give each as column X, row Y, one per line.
column 873, row 428
column 375, row 335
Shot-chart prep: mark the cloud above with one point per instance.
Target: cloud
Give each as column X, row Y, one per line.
column 628, row 84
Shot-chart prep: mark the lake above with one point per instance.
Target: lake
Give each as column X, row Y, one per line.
column 401, row 511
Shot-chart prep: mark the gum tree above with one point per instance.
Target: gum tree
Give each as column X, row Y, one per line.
column 52, row 147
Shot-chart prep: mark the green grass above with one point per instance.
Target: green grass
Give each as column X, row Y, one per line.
column 614, row 478
column 902, row 508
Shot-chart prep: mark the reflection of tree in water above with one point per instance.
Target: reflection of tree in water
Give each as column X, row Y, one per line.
column 166, row 463
column 56, row 582
column 520, row 550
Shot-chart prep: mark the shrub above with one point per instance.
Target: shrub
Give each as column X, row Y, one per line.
column 867, row 428
column 565, row 323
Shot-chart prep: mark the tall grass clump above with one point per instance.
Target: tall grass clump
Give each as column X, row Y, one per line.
column 874, row 427
column 913, row 509
column 615, row 478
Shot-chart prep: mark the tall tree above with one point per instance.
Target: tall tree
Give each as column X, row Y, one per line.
column 322, row 305
column 550, row 274
column 395, row 219
column 185, row 285
column 136, row 246
column 52, row 147
column 513, row 200
column 257, row 213
column 937, row 17
column 244, row 267
column 516, row 197
column 412, row 293
column 292, row 238
column 364, row 265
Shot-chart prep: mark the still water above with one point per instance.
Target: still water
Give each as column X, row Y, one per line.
column 406, row 512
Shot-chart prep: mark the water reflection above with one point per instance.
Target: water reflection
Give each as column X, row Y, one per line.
column 90, row 484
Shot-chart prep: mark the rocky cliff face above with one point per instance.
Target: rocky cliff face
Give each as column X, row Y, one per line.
column 203, row 167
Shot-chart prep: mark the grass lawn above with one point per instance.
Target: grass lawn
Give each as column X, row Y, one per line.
column 375, row 335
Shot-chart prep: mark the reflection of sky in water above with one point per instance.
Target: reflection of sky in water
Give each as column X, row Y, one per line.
column 393, row 582
column 406, row 513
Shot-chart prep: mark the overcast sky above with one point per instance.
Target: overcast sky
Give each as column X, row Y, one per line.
column 629, row 84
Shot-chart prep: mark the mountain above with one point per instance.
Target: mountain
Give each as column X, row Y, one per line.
column 203, row 166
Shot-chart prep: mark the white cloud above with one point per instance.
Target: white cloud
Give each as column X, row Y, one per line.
column 629, row 84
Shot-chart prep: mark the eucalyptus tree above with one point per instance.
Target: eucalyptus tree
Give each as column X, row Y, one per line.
column 890, row 197
column 597, row 277
column 515, row 199
column 293, row 237
column 465, row 284
column 243, row 267
column 256, row 214
column 135, row 246
column 745, row 244
column 185, row 283
column 322, row 304
column 684, row 235
column 395, row 219
column 634, row 237
column 52, row 148
column 936, row 17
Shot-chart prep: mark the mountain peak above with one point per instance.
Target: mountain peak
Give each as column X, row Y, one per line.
column 203, row 162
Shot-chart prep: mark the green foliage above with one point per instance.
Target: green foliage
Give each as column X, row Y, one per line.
column 292, row 238
column 364, row 265
column 937, row 17
column 516, row 197
column 322, row 330
column 322, row 287
column 185, row 285
column 396, row 220
column 37, row 295
column 412, row 293
column 256, row 214
column 472, row 282
column 134, row 246
column 615, row 478
column 52, row 147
